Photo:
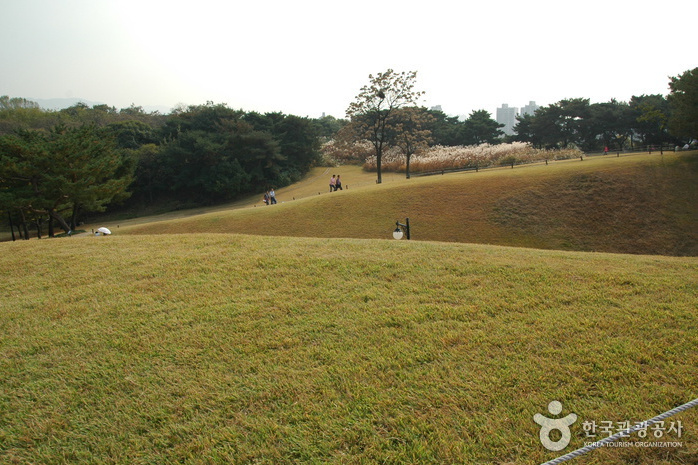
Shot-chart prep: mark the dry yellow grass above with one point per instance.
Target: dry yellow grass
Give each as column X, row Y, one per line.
column 636, row 204
column 223, row 348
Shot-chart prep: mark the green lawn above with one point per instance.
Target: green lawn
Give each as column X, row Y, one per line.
column 223, row 348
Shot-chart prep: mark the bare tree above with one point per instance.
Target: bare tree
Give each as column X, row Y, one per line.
column 376, row 103
column 411, row 134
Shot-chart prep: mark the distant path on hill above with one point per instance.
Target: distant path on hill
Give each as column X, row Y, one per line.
column 300, row 189
column 317, row 182
column 302, row 186
column 313, row 184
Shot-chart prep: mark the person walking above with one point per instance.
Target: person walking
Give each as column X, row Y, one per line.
column 333, row 182
column 338, row 184
column 272, row 196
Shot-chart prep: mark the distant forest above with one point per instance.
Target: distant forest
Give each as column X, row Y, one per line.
column 57, row 166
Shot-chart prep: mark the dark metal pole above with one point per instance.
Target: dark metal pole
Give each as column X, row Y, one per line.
column 405, row 226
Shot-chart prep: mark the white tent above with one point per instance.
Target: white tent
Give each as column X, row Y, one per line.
column 104, row 231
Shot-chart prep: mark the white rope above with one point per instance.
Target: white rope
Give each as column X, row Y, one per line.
column 622, row 434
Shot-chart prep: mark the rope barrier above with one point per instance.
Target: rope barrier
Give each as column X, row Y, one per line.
column 622, row 434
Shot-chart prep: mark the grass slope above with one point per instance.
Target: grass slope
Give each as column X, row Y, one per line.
column 642, row 204
column 217, row 348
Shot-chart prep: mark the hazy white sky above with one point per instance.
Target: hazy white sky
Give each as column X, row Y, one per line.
column 306, row 57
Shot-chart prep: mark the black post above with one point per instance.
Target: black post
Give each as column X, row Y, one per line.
column 405, row 227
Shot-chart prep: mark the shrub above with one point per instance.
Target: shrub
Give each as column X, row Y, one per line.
column 440, row 157
column 337, row 152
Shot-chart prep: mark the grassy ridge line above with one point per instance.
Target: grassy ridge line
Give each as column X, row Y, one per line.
column 637, row 204
column 314, row 184
column 240, row 349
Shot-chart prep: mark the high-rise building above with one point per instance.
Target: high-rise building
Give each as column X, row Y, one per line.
column 506, row 115
column 530, row 108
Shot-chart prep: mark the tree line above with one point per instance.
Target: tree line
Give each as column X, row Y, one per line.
column 386, row 114
column 645, row 120
column 57, row 166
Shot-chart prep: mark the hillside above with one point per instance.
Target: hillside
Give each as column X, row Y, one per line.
column 640, row 204
column 222, row 348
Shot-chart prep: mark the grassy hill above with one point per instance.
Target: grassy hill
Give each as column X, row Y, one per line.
column 222, row 348
column 641, row 204
column 351, row 348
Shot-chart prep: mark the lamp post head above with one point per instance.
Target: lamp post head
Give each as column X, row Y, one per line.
column 402, row 229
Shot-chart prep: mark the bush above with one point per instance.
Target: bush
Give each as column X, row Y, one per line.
column 439, row 158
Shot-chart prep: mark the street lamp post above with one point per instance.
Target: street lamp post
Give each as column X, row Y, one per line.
column 398, row 233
